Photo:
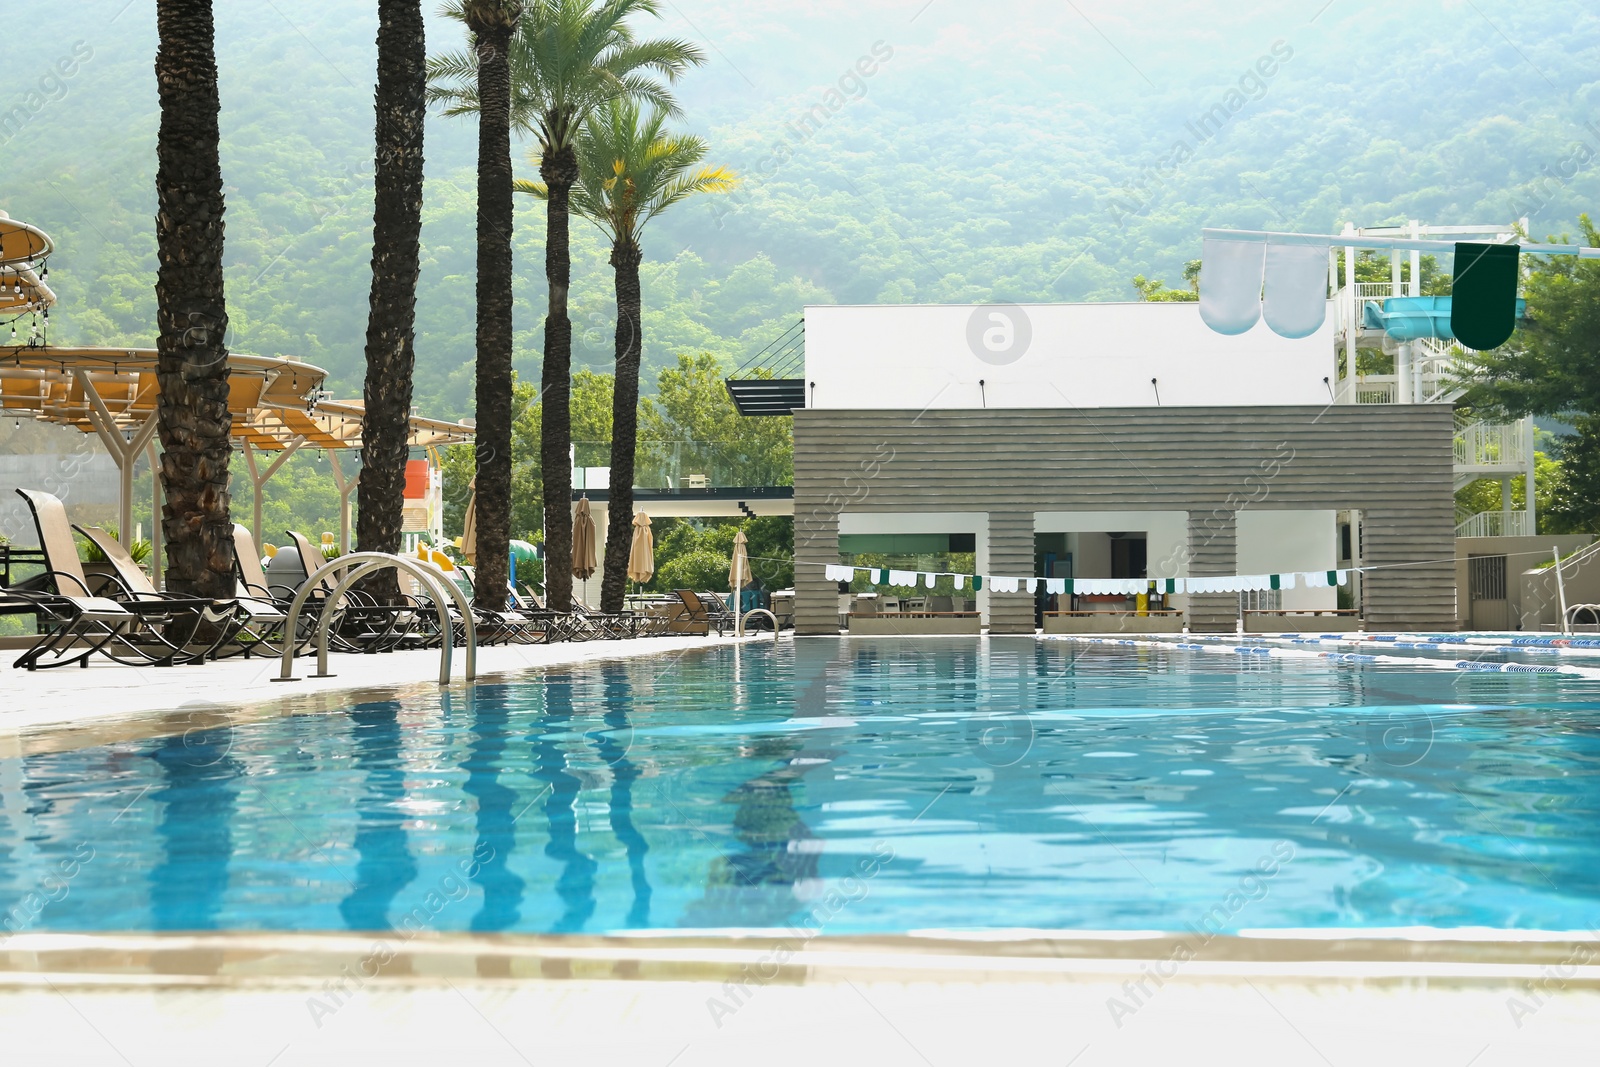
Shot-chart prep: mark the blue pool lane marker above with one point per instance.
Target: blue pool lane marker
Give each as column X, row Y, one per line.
column 1218, row 645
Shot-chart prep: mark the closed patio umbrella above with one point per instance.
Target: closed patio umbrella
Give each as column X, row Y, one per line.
column 642, row 555
column 738, row 575
column 739, row 569
column 583, row 558
column 469, row 526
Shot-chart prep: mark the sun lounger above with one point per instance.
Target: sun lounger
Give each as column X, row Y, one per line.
column 702, row 613
column 128, row 627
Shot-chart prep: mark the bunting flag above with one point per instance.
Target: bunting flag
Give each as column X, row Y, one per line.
column 1295, row 295
column 1208, row 584
column 1483, row 305
column 1231, row 271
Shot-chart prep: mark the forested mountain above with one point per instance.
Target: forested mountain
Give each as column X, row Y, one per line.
column 906, row 151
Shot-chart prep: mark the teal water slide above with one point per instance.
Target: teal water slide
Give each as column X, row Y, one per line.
column 1410, row 318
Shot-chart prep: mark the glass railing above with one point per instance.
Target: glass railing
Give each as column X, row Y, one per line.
column 687, row 465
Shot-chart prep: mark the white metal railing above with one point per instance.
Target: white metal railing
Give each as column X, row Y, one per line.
column 1376, row 389
column 1377, row 290
column 1492, row 444
column 1495, row 524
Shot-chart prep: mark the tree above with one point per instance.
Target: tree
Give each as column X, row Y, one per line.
column 1551, row 367
column 570, row 58
column 194, row 422
column 1574, row 505
column 591, row 429
column 400, row 106
column 1376, row 268
column 484, row 73
column 693, row 413
column 1155, row 290
column 631, row 170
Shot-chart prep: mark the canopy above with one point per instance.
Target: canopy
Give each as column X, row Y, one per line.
column 22, row 243
column 23, row 249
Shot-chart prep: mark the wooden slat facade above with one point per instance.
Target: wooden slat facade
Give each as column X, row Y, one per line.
column 1394, row 462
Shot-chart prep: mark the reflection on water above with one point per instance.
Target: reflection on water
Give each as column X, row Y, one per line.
column 1015, row 783
column 613, row 743
column 495, row 818
column 575, row 883
column 754, row 882
column 198, row 795
column 386, row 865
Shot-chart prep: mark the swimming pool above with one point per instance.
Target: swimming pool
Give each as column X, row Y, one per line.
column 843, row 787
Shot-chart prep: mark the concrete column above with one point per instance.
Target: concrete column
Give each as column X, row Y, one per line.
column 1412, row 585
column 1529, row 443
column 816, row 542
column 1352, row 321
column 1415, row 288
column 1213, row 551
column 1011, row 555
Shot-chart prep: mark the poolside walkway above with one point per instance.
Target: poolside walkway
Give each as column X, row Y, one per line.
column 107, row 691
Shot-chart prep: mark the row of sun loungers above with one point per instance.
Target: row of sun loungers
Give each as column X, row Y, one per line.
column 124, row 617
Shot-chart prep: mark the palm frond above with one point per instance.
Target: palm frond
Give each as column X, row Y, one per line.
column 632, row 169
column 568, row 59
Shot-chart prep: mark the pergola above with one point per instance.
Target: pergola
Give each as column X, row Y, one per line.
column 277, row 406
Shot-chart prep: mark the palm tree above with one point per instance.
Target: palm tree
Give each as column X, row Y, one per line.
column 401, row 106
column 631, row 171
column 492, row 24
column 569, row 58
column 191, row 310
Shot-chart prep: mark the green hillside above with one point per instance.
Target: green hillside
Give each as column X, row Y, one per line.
column 954, row 152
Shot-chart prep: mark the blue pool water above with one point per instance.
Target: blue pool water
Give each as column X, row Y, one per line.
column 850, row 787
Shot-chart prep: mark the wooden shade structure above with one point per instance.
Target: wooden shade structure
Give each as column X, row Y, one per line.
column 276, row 403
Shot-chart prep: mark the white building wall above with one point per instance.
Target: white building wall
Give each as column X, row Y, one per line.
column 1273, row 542
column 1053, row 355
column 1166, row 535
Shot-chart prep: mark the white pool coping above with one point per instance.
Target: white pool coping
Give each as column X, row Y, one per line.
column 71, row 698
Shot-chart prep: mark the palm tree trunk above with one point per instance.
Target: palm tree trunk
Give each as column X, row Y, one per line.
column 559, row 170
column 191, row 312
column 396, row 249
column 492, row 23
column 625, row 258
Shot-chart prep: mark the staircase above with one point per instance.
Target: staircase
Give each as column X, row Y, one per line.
column 1497, row 450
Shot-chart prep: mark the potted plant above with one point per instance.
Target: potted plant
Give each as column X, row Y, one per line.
column 98, row 569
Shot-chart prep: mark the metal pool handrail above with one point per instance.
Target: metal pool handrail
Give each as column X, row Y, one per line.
column 358, row 565
column 759, row 611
